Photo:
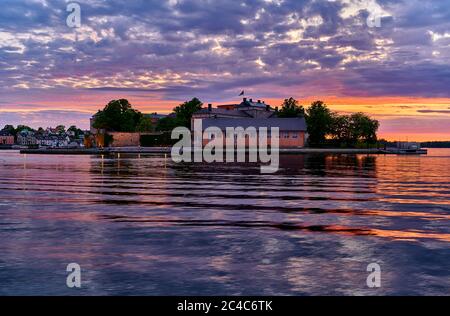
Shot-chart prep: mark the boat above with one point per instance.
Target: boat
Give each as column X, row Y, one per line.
column 406, row 148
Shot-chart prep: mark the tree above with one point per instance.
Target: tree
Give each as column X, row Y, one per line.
column 348, row 130
column 60, row 129
column 319, row 120
column 23, row 128
column 9, row 129
column 340, row 129
column 185, row 111
column 144, row 125
column 167, row 123
column 118, row 116
column 291, row 108
column 77, row 132
column 363, row 128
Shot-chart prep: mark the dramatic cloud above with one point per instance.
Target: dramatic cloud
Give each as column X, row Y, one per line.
column 176, row 49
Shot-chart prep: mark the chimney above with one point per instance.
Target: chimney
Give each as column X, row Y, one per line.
column 209, row 107
column 245, row 99
column 251, row 100
column 267, row 107
column 259, row 101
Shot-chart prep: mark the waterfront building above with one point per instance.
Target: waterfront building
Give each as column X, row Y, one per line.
column 6, row 138
column 26, row 138
column 292, row 131
column 53, row 140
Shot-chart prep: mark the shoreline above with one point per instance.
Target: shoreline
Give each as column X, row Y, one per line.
column 167, row 150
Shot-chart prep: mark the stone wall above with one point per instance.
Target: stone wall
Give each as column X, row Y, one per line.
column 125, row 139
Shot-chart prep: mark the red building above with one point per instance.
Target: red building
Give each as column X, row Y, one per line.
column 6, row 138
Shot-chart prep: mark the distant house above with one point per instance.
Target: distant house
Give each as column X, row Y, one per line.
column 53, row 141
column 6, row 138
column 292, row 131
column 63, row 141
column 26, row 138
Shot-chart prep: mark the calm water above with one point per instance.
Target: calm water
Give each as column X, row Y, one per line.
column 143, row 225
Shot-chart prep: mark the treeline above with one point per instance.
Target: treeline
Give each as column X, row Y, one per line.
column 436, row 144
column 181, row 115
column 325, row 127
column 60, row 129
column 119, row 116
column 330, row 129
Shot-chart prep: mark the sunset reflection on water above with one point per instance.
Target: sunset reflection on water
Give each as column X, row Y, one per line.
column 144, row 225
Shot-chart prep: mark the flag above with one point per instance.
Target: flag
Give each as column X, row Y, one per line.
column 242, row 93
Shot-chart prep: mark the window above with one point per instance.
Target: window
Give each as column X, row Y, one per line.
column 294, row 135
column 286, row 134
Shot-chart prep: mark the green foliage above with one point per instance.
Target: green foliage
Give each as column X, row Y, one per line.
column 167, row 124
column 185, row 111
column 291, row 108
column 23, row 128
column 351, row 130
column 10, row 129
column 182, row 116
column 340, row 129
column 75, row 130
column 363, row 128
column 319, row 120
column 355, row 130
column 60, row 129
column 118, row 116
column 144, row 125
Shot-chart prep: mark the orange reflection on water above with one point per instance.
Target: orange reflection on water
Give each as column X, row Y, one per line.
column 428, row 216
column 393, row 234
column 410, row 235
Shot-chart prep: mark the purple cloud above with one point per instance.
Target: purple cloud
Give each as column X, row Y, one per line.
column 211, row 49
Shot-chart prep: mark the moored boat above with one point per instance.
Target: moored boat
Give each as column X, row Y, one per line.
column 406, row 148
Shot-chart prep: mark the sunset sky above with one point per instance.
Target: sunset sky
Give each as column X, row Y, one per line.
column 159, row 53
